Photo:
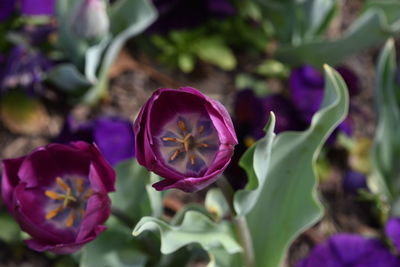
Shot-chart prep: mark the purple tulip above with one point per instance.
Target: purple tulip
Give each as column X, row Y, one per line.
column 350, row 250
column 113, row 136
column 182, row 14
column 392, row 230
column 58, row 195
column 307, row 88
column 185, row 137
column 353, row 181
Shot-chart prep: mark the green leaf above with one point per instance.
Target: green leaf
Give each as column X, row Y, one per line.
column 132, row 197
column 369, row 29
column 128, row 18
column 74, row 48
column 10, row 231
column 114, row 247
column 186, row 62
column 386, row 150
column 216, row 203
column 68, row 78
column 195, row 228
column 214, row 50
column 256, row 162
column 288, row 203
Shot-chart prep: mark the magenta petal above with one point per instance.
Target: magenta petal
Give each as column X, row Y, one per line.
column 97, row 211
column 10, row 180
column 46, row 163
column 104, row 171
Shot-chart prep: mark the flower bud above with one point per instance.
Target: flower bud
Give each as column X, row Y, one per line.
column 90, row 19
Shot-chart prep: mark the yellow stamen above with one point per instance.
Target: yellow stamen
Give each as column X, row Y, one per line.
column 202, row 145
column 88, row 193
column 82, row 213
column 62, row 184
column 200, row 130
column 79, row 185
column 53, row 213
column 182, row 126
column 176, row 153
column 70, row 219
column 169, row 139
column 53, row 195
column 192, row 159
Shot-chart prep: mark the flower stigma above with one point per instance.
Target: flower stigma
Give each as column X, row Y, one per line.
column 69, row 197
column 189, row 144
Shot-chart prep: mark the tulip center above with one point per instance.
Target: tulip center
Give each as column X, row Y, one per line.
column 189, row 144
column 68, row 200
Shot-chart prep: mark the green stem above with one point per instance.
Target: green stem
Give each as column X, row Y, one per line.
column 239, row 222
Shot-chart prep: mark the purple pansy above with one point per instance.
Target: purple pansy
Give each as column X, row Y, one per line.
column 27, row 7
column 37, row 7
column 306, row 85
column 353, row 181
column 350, row 250
column 113, row 136
column 24, row 69
column 6, row 9
column 181, row 14
column 59, row 195
column 185, row 137
column 392, row 230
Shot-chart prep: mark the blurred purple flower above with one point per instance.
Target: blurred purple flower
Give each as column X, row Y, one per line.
column 37, row 7
column 24, row 69
column 27, row 7
column 354, row 181
column 6, row 9
column 350, row 250
column 392, row 230
column 59, row 195
column 113, row 136
column 306, row 85
column 185, row 137
column 182, row 14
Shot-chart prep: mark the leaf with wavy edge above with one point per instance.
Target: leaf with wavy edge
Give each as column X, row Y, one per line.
column 288, row 204
column 195, row 228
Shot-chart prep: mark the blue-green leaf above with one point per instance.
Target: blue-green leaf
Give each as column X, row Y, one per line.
column 68, row 78
column 216, row 204
column 386, row 151
column 369, row 29
column 132, row 197
column 256, row 163
column 288, row 202
column 128, row 18
column 114, row 247
column 195, row 228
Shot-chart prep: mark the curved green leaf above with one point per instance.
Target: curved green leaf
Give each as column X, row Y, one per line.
column 386, row 150
column 195, row 228
column 288, row 203
column 369, row 29
column 128, row 18
column 258, row 155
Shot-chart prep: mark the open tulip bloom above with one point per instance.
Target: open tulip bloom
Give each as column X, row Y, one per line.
column 59, row 195
column 185, row 137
